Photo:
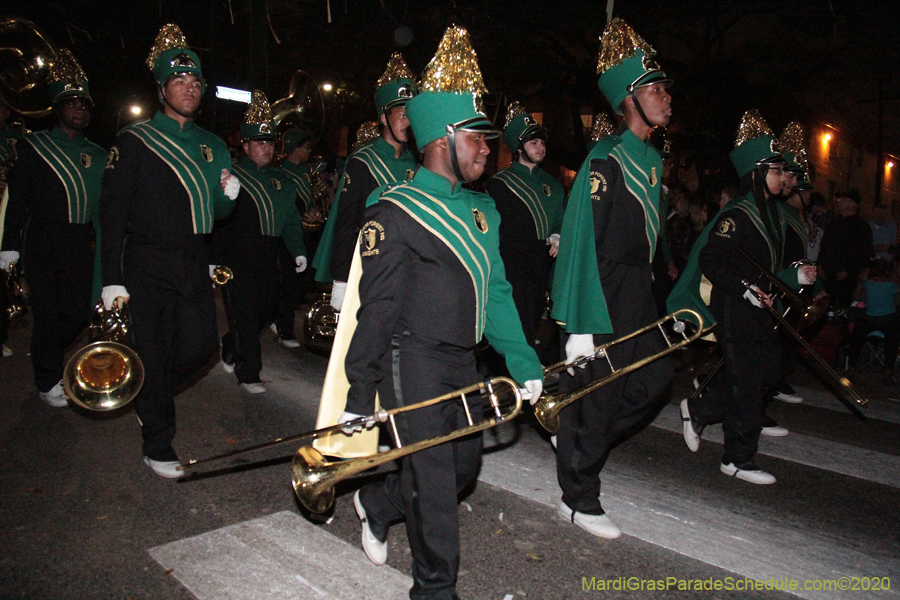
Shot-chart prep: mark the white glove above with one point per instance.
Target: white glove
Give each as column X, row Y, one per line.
column 7, row 258
column 337, row 294
column 752, row 297
column 301, row 263
column 532, row 391
column 553, row 239
column 578, row 346
column 803, row 279
column 212, row 271
column 231, row 185
column 111, row 292
column 349, row 416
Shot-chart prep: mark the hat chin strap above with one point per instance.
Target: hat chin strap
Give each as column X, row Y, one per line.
column 451, row 144
column 640, row 110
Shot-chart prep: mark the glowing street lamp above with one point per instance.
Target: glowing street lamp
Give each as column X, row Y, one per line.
column 327, row 87
column 135, row 110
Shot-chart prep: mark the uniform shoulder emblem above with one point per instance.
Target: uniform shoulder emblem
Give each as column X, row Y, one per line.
column 112, row 159
column 369, row 236
column 308, row 178
column 480, row 220
column 409, row 174
column 598, row 184
column 276, row 183
column 207, row 152
column 85, row 160
column 547, row 190
column 726, row 227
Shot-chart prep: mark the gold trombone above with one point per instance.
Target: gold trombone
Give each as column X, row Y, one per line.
column 106, row 374
column 548, row 407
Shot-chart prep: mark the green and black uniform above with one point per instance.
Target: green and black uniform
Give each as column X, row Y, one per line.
column 265, row 219
column 369, row 168
column 293, row 286
column 54, row 194
column 432, row 285
column 161, row 195
column 602, row 286
column 530, row 203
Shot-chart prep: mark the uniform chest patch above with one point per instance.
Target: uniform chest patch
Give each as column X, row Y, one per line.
column 112, row 158
column 653, row 178
column 546, row 189
column 370, row 234
column 86, row 160
column 480, row 220
column 207, row 152
column 276, row 183
column 598, row 183
column 409, row 174
column 726, row 227
column 308, row 178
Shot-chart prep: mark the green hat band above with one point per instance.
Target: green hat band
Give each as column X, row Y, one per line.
column 176, row 61
column 520, row 129
column 746, row 156
column 394, row 93
column 617, row 82
column 257, row 131
column 431, row 112
column 59, row 90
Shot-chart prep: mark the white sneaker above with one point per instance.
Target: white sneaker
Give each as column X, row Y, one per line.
column 553, row 440
column 254, row 388
column 56, row 397
column 375, row 550
column 599, row 525
column 163, row 468
column 7, row 351
column 274, row 328
column 774, row 431
column 227, row 368
column 691, row 437
column 789, row 398
column 288, row 343
column 751, row 475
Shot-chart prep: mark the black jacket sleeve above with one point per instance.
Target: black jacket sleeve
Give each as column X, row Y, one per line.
column 358, row 184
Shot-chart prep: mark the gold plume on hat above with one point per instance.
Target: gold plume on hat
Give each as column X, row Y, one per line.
column 752, row 126
column 66, row 69
column 170, row 36
column 454, row 67
column 618, row 43
column 396, row 69
column 259, row 110
column 792, row 141
column 512, row 111
column 601, row 127
column 366, row 133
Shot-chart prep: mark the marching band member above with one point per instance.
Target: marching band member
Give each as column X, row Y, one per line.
column 386, row 160
column 602, row 283
column 54, row 192
column 264, row 218
column 166, row 181
column 432, row 284
column 530, row 203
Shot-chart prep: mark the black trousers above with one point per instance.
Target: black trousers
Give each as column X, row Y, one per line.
column 59, row 265
column 173, row 318
column 736, row 396
column 424, row 493
column 251, row 303
column 592, row 426
column 292, row 286
column 526, row 263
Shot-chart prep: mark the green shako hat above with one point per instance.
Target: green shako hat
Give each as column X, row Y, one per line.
column 521, row 127
column 294, row 138
column 625, row 64
column 449, row 97
column 171, row 56
column 66, row 79
column 395, row 87
column 257, row 123
column 755, row 144
column 793, row 147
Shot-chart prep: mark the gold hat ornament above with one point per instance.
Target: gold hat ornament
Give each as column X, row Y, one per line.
column 66, row 78
column 754, row 144
column 601, row 127
column 625, row 63
column 793, row 146
column 170, row 55
column 257, row 123
column 395, row 87
column 367, row 132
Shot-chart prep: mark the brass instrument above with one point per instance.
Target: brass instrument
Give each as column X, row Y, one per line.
column 106, row 374
column 222, row 275
column 320, row 323
column 810, row 309
column 548, row 407
column 303, row 107
column 15, row 306
column 26, row 55
column 485, row 404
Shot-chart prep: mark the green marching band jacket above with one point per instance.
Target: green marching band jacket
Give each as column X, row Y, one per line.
column 274, row 196
column 541, row 193
column 301, row 176
column 578, row 301
column 693, row 289
column 377, row 158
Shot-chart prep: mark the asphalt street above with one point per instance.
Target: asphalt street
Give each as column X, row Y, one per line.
column 82, row 518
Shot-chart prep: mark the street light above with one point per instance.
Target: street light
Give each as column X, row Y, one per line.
column 135, row 110
column 827, row 137
column 327, row 87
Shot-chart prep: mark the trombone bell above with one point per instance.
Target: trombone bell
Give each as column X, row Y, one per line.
column 103, row 376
